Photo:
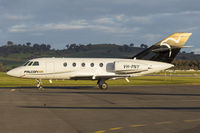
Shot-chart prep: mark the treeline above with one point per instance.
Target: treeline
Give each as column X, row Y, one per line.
column 11, row 48
column 186, row 64
column 75, row 46
column 70, row 50
column 2, row 68
column 80, row 47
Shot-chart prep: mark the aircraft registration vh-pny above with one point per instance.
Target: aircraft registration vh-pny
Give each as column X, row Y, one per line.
column 154, row 59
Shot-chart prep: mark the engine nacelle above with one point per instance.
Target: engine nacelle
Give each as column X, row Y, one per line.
column 124, row 67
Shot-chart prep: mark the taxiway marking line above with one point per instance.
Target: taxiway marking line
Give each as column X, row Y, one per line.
column 192, row 120
column 163, row 122
column 140, row 125
column 12, row 90
column 116, row 128
column 102, row 131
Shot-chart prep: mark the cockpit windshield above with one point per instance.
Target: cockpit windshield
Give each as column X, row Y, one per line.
column 36, row 63
column 31, row 63
column 25, row 64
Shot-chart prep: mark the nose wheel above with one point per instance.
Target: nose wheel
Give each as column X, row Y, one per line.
column 102, row 84
column 39, row 84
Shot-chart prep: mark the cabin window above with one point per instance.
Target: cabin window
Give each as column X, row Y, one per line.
column 92, row 64
column 83, row 64
column 74, row 64
column 65, row 64
column 25, row 64
column 36, row 63
column 30, row 63
column 101, row 64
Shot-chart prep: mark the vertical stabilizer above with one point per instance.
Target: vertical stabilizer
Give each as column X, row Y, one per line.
column 165, row 50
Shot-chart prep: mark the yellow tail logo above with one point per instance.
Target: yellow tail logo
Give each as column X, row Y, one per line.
column 176, row 40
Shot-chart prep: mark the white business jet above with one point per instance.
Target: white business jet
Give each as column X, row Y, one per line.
column 154, row 59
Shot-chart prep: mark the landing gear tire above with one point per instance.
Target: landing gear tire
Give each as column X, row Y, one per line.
column 39, row 84
column 102, row 85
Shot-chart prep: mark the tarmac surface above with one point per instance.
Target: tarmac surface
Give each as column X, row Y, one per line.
column 121, row 109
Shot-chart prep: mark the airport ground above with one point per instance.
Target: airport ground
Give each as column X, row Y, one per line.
column 178, row 78
column 148, row 104
column 86, row 109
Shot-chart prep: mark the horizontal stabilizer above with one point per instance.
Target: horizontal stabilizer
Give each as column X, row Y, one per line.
column 186, row 46
column 160, row 49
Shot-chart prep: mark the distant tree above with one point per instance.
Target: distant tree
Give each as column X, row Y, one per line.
column 36, row 46
column 142, row 45
column 89, row 45
column 72, row 46
column 145, row 46
column 9, row 43
column 48, row 46
column 67, row 46
column 82, row 47
column 43, row 47
column 1, row 67
column 131, row 45
column 28, row 44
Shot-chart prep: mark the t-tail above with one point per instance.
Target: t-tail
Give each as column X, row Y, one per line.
column 165, row 50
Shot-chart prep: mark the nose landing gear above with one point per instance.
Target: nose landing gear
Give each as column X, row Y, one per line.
column 102, row 84
column 39, row 84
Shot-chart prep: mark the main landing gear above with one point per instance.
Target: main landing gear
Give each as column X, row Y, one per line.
column 102, row 84
column 39, row 84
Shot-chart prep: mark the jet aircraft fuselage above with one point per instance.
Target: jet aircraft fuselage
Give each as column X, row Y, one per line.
column 154, row 59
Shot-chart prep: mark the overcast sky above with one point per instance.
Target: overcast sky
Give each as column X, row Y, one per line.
column 60, row 22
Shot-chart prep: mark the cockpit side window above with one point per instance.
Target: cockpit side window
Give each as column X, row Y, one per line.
column 30, row 63
column 25, row 64
column 36, row 63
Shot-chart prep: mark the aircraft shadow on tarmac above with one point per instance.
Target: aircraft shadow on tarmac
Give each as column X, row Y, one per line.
column 115, row 93
column 51, row 87
column 111, row 108
column 93, row 91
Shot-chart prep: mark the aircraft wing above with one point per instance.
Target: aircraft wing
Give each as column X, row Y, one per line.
column 93, row 77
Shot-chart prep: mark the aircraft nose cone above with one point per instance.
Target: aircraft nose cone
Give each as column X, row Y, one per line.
column 9, row 73
column 13, row 73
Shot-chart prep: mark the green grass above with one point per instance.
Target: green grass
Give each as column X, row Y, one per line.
column 7, row 81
